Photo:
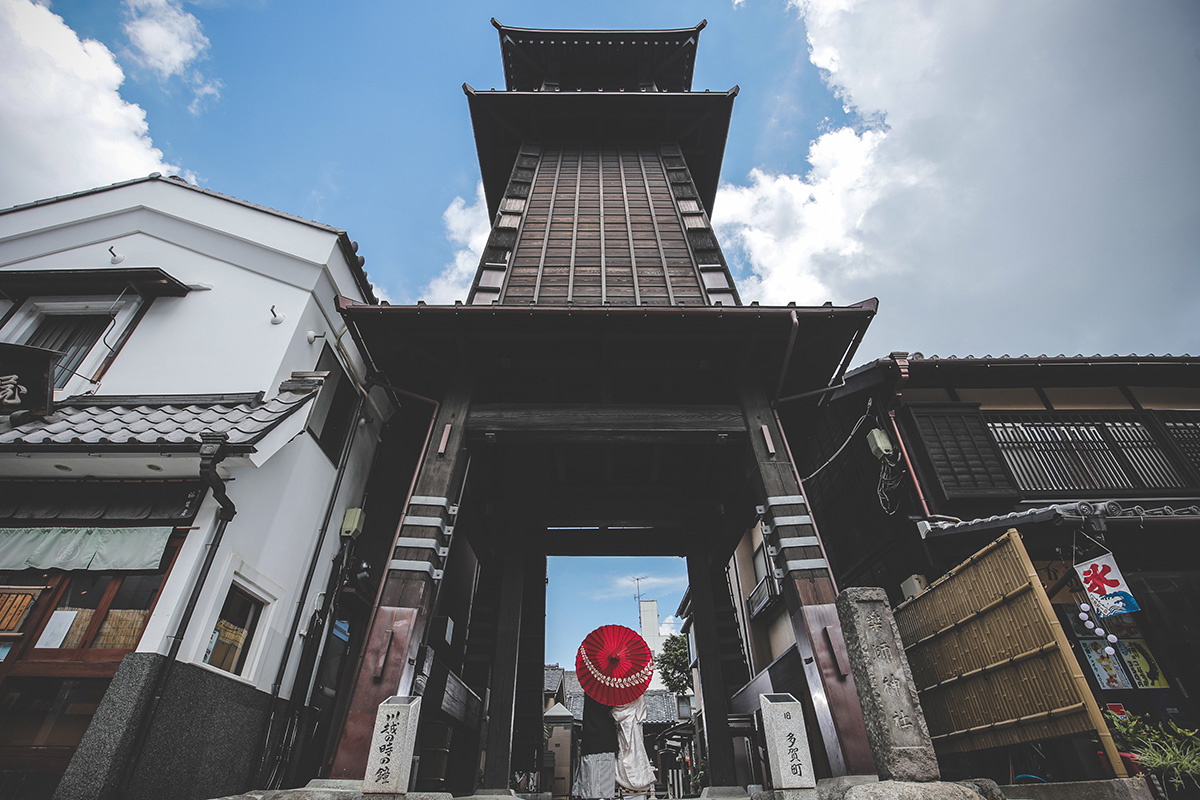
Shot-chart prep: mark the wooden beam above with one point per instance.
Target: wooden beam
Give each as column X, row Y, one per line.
column 810, row 594
column 712, row 685
column 405, row 599
column 503, row 698
column 608, row 542
column 605, row 423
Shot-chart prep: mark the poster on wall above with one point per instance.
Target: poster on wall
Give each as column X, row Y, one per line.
column 1105, row 586
column 1106, row 668
column 1141, row 664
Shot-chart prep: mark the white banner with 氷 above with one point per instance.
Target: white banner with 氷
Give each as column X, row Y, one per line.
column 1105, row 586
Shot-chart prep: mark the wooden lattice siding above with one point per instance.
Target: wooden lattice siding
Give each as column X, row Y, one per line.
column 1079, row 451
column 1184, row 429
column 990, row 659
column 602, row 225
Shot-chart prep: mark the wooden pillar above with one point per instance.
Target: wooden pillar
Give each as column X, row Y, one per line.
column 503, row 700
column 717, row 734
column 808, row 589
column 405, row 600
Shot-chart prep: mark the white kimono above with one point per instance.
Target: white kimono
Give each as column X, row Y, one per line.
column 633, row 765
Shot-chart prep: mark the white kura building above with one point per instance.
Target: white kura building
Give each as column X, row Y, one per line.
column 179, row 578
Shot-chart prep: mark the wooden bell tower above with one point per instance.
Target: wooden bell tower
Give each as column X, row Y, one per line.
column 603, row 391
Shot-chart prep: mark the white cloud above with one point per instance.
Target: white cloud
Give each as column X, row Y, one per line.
column 169, row 41
column 669, row 626
column 63, row 124
column 625, row 586
column 1022, row 178
column 467, row 227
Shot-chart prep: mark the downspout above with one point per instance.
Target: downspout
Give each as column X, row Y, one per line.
column 787, row 356
column 839, row 378
column 212, row 452
column 301, row 600
column 900, row 359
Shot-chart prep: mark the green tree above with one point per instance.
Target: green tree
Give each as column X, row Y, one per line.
column 674, row 665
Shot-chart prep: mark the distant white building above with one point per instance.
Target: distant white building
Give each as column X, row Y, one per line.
column 169, row 532
column 648, row 612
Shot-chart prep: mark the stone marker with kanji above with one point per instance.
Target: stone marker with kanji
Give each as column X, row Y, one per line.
column 390, row 761
column 891, row 710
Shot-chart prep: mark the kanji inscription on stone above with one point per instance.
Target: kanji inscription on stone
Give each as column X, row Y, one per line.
column 389, row 761
column 891, row 710
column 787, row 742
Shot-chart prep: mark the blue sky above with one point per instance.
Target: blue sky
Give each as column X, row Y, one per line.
column 585, row 593
column 1007, row 176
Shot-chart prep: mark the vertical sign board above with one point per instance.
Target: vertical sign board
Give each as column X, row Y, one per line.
column 25, row 379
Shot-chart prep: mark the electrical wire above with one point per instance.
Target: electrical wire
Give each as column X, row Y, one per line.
column 866, row 416
column 891, row 476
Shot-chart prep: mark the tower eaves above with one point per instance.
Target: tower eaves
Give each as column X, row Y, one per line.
column 598, row 60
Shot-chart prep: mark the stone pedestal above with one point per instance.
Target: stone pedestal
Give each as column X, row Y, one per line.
column 395, row 734
column 895, row 725
column 786, row 740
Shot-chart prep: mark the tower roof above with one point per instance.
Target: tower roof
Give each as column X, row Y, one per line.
column 592, row 60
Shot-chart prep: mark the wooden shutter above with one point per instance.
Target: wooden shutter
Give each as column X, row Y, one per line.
column 961, row 451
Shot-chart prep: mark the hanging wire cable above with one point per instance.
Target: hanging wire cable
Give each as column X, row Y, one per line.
column 865, row 416
column 891, row 475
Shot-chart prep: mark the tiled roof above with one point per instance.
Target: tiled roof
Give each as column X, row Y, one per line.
column 661, row 706
column 553, row 678
column 168, row 422
column 1109, row 509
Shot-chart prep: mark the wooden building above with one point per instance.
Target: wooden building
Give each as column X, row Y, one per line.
column 1079, row 455
column 603, row 391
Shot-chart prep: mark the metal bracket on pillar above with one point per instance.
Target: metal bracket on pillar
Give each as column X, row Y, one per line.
column 416, row 566
column 785, row 500
column 800, row 541
column 430, row 522
column 424, row 500
column 807, row 563
column 427, row 544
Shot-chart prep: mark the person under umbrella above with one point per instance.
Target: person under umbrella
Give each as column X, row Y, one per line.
column 614, row 666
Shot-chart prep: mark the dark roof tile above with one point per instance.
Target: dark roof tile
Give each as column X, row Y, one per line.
column 82, row 421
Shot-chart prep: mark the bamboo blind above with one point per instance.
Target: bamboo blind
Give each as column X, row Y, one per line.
column 990, row 659
column 15, row 602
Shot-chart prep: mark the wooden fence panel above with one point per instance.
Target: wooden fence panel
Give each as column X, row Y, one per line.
column 990, row 659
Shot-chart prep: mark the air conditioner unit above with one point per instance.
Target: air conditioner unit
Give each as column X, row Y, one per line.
column 913, row 585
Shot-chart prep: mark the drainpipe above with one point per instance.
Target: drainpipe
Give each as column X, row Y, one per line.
column 212, row 453
column 343, row 462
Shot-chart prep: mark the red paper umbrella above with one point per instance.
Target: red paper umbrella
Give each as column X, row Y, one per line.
column 614, row 665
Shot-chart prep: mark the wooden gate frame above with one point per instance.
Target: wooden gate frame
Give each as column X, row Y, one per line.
column 947, row 607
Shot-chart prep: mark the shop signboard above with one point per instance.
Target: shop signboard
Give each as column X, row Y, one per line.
column 25, row 379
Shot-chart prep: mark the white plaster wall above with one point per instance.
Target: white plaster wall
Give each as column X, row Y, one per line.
column 242, row 261
column 219, row 339
column 268, row 546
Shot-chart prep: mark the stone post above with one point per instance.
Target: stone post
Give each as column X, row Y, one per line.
column 392, row 741
column 895, row 725
column 786, row 740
